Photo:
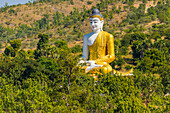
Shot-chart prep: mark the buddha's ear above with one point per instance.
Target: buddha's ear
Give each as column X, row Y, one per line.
column 102, row 22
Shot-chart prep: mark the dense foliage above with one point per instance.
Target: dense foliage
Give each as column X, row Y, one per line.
column 55, row 84
column 48, row 79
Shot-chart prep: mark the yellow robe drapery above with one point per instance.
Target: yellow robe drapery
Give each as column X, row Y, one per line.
column 102, row 51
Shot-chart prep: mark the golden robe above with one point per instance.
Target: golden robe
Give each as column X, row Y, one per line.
column 102, row 52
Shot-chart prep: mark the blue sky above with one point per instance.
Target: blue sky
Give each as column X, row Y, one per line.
column 13, row 2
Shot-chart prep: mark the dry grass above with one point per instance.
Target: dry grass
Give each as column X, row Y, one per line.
column 27, row 14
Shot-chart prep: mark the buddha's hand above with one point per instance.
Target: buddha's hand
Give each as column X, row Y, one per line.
column 81, row 62
column 91, row 62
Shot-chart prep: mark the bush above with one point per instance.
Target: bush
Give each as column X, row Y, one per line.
column 72, row 3
column 7, row 22
column 153, row 17
column 127, row 67
column 9, row 51
column 156, row 35
column 11, row 11
column 89, row 2
column 120, row 61
column 124, row 50
column 16, row 44
column 44, row 39
column 145, row 19
column 76, row 49
column 22, row 54
column 33, row 45
column 61, row 44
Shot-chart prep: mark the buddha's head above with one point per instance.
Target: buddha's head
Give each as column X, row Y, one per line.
column 96, row 20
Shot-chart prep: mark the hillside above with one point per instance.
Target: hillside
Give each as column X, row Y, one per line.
column 30, row 17
column 41, row 45
column 69, row 21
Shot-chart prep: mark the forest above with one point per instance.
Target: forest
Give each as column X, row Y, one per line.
column 38, row 60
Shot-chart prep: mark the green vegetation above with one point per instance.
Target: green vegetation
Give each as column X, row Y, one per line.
column 56, row 84
column 60, row 21
column 89, row 2
column 47, row 79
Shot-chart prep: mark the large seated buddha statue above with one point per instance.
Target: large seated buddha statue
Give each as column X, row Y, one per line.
column 98, row 46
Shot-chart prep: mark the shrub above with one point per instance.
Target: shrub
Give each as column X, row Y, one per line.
column 9, row 51
column 127, row 67
column 7, row 22
column 120, row 61
column 124, row 50
column 76, row 49
column 11, row 11
column 33, row 45
column 72, row 3
column 16, row 44
column 61, row 44
column 89, row 2
column 145, row 19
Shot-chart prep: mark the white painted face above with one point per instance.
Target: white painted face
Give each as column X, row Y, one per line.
column 96, row 24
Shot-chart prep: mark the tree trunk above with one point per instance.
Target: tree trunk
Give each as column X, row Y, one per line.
column 68, row 86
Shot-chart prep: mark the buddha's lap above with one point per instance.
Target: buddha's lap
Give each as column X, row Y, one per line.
column 106, row 69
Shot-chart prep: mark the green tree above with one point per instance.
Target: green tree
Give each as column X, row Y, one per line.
column 43, row 49
column 117, row 44
column 122, row 93
column 165, row 78
column 44, row 39
column 139, row 48
column 11, row 11
column 16, row 44
column 22, row 54
column 76, row 49
column 146, row 64
column 156, row 36
column 149, row 86
column 61, row 44
column 120, row 61
column 126, row 40
column 157, row 57
column 124, row 50
column 9, row 51
column 111, row 15
column 138, row 36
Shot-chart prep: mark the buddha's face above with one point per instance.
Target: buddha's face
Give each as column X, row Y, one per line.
column 96, row 24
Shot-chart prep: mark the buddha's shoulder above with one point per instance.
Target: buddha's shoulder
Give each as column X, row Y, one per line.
column 88, row 35
column 107, row 34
